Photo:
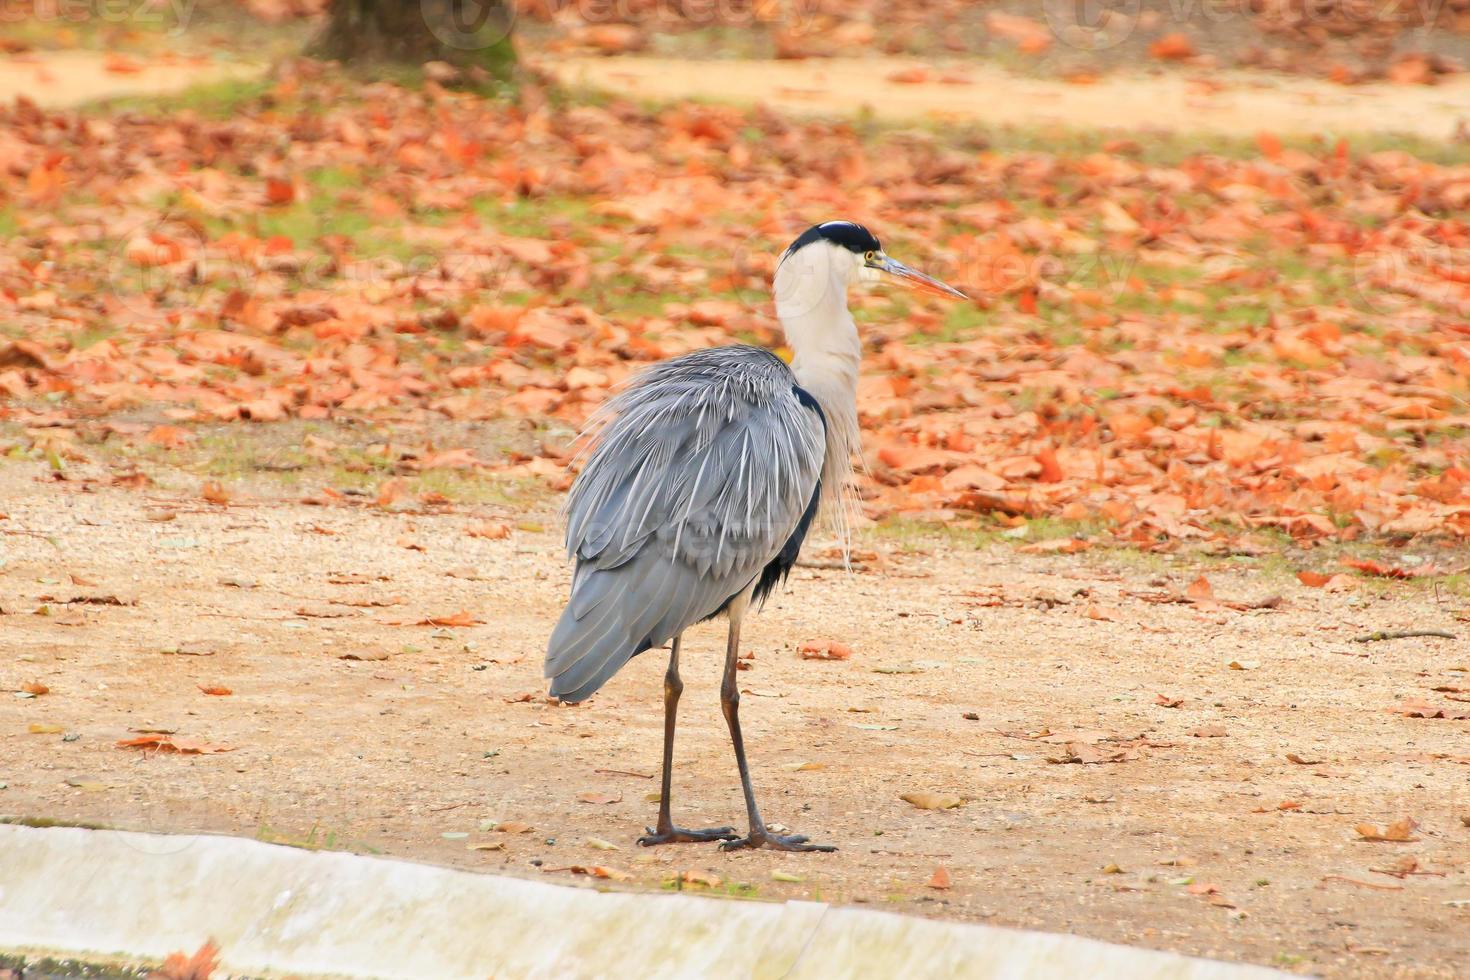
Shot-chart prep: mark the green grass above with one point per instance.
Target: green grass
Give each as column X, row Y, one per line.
column 48, row 822
column 316, row 839
column 221, row 99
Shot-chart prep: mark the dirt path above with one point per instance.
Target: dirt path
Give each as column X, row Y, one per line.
column 1228, row 103
column 66, row 78
column 413, row 754
column 1225, row 103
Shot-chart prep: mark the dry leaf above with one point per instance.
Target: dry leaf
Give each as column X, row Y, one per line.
column 600, row 797
column 1401, row 831
column 216, row 689
column 1200, row 590
column 490, row 530
column 928, row 800
column 825, row 650
column 169, row 744
column 181, row 966
column 940, row 878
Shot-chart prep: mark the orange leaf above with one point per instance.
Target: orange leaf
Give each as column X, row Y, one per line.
column 1313, row 579
column 1051, row 470
column 1172, row 47
column 461, row 618
column 1200, row 589
column 200, row 966
column 390, row 491
column 1401, row 831
column 168, row 436
column 940, row 878
column 908, row 76
column 490, row 530
column 167, row 743
column 825, row 650
column 36, row 688
column 214, row 492
column 279, row 191
column 216, row 690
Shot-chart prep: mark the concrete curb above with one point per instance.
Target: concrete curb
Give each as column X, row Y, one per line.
column 278, row 910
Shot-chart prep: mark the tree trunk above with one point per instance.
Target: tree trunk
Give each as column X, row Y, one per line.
column 463, row 33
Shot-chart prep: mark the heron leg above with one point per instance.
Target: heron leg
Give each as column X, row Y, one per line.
column 666, row 832
column 759, row 836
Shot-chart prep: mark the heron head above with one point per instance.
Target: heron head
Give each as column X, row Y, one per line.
column 856, row 250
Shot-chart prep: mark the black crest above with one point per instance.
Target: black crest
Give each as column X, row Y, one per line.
column 849, row 234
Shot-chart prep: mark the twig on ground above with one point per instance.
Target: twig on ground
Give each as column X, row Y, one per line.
column 1400, row 635
column 830, row 565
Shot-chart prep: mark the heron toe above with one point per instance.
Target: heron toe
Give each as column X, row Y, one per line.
column 776, row 842
column 677, row 835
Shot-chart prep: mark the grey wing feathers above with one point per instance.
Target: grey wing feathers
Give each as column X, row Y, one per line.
column 699, row 474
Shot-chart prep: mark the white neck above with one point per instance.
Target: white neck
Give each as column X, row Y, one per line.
column 811, row 303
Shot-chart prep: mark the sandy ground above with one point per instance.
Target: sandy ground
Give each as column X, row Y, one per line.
column 1227, row 103
column 415, row 753
column 64, row 78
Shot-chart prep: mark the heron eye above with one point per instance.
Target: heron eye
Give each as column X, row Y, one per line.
column 871, row 256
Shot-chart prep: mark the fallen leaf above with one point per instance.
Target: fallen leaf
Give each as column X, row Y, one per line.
column 599, row 797
column 513, row 827
column 216, row 690
column 35, row 687
column 461, row 618
column 1401, row 831
column 928, row 800
column 168, row 744
column 940, row 878
column 825, row 650
column 181, row 966
column 364, row 655
column 1200, row 589
column 490, row 530
column 1172, row 47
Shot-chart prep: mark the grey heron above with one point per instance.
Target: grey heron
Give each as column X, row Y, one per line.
column 703, row 479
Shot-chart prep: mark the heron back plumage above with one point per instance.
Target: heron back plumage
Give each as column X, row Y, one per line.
column 701, row 474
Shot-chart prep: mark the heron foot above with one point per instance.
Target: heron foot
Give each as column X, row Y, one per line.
column 677, row 835
column 775, row 842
